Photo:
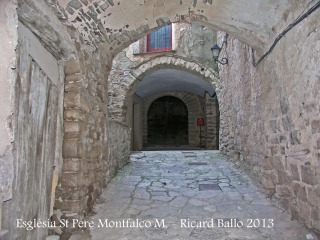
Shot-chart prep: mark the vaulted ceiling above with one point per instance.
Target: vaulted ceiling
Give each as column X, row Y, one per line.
column 171, row 80
column 114, row 24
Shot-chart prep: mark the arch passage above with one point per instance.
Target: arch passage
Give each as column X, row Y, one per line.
column 168, row 122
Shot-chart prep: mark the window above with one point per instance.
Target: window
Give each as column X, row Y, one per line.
column 160, row 40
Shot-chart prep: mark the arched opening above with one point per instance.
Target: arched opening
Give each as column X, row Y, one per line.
column 259, row 106
column 195, row 91
column 168, row 122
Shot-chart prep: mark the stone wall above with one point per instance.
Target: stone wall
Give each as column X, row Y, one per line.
column 85, row 144
column 192, row 54
column 119, row 140
column 212, row 119
column 104, row 22
column 270, row 116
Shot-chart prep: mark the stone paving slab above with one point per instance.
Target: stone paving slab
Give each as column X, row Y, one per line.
column 157, row 196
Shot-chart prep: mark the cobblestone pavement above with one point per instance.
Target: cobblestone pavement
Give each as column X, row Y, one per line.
column 188, row 195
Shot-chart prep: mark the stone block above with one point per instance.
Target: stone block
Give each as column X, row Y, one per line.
column 268, row 179
column 75, row 4
column 277, row 163
column 283, row 139
column 72, row 148
column 71, row 165
column 73, row 193
column 78, row 86
column 85, row 2
column 90, row 166
column 72, row 100
column 273, row 125
column 104, row 6
column 266, row 163
column 274, row 150
column 274, row 140
column 70, row 10
column 315, row 126
column 285, row 203
column 76, row 100
column 284, row 178
column 72, row 180
column 73, row 78
column 284, row 105
column 72, row 127
column 308, row 175
column 283, row 190
column 90, row 178
column 72, row 205
column 283, row 150
column 304, row 210
column 111, row 2
column 295, row 172
column 299, row 191
column 315, row 214
column 75, row 114
column 95, row 151
column 73, row 66
column 295, row 138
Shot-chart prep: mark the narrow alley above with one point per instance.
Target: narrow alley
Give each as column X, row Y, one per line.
column 88, row 86
column 188, row 195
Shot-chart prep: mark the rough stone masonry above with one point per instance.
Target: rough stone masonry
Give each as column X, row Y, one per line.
column 54, row 147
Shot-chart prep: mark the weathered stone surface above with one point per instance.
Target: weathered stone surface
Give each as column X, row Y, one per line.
column 286, row 123
column 300, row 191
column 289, row 116
column 149, row 169
column 284, row 105
column 72, row 180
column 75, row 115
column 295, row 137
column 274, row 125
column 295, row 172
column 283, row 190
column 119, row 144
column 72, row 67
column 315, row 126
column 284, row 88
column 71, row 149
column 313, row 196
column 308, row 175
column 75, row 4
column 71, row 165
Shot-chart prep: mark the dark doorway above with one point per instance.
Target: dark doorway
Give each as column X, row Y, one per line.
column 168, row 122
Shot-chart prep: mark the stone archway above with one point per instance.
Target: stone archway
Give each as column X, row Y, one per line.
column 286, row 131
column 167, row 121
column 146, row 68
column 194, row 106
column 116, row 24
